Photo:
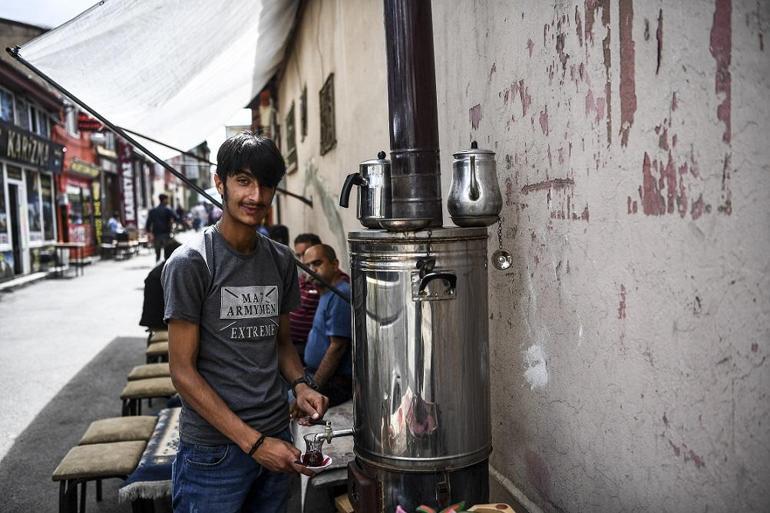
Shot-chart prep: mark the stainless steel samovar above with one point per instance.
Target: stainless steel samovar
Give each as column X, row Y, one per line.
column 421, row 360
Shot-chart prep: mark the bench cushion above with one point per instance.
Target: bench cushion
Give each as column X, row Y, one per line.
column 150, row 370
column 147, row 388
column 157, row 349
column 99, row 460
column 159, row 336
column 119, row 429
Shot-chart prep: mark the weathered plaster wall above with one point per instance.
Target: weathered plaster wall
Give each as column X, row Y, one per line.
column 630, row 338
column 347, row 39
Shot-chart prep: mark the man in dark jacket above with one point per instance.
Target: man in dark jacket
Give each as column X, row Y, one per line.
column 153, row 306
column 159, row 223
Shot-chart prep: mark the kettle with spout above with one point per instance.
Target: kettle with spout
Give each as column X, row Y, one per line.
column 373, row 181
column 474, row 197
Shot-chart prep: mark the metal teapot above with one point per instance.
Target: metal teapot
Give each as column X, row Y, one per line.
column 474, row 197
column 374, row 200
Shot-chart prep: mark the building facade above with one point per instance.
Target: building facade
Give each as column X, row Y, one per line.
column 629, row 339
column 30, row 163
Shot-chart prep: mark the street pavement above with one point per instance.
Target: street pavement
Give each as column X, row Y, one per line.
column 51, row 329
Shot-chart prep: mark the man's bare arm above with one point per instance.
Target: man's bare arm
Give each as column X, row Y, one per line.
column 184, row 341
column 308, row 400
column 331, row 360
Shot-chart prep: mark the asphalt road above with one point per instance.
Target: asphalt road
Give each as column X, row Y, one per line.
column 51, row 329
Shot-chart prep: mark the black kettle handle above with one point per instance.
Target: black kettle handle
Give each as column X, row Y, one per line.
column 351, row 180
column 448, row 277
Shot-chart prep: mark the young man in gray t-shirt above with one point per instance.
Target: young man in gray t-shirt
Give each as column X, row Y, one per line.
column 228, row 293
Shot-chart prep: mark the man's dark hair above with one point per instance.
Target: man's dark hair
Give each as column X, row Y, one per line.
column 162, row 197
column 279, row 233
column 329, row 252
column 253, row 152
column 307, row 238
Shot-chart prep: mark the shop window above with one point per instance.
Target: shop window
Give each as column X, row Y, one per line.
column 75, row 200
column 14, row 173
column 326, row 101
column 38, row 120
column 303, row 114
column 6, row 106
column 34, row 208
column 22, row 113
column 291, row 139
column 71, row 120
column 46, row 186
column 3, row 212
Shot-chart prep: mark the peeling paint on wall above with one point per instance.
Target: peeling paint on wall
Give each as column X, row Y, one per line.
column 659, row 38
column 622, row 304
column 721, row 50
column 475, row 116
column 329, row 205
column 627, row 70
column 536, row 372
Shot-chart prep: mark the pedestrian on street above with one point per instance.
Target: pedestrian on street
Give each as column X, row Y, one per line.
column 160, row 221
column 228, row 293
column 114, row 226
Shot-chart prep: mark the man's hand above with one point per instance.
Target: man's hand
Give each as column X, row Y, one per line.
column 279, row 456
column 310, row 402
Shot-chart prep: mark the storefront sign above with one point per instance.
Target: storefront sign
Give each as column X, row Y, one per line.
column 27, row 148
column 88, row 124
column 127, row 180
column 96, row 193
column 104, row 152
column 86, row 169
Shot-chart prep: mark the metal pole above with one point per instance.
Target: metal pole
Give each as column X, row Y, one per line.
column 306, row 201
column 14, row 52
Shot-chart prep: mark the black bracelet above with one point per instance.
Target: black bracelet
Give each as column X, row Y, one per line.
column 257, row 444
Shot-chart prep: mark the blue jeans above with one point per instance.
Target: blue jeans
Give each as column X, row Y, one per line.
column 224, row 479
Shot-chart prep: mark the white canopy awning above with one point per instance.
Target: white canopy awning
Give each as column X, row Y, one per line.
column 174, row 70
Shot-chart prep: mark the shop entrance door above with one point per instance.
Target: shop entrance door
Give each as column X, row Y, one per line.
column 13, row 206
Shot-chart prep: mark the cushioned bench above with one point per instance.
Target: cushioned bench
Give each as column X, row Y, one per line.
column 139, row 389
column 158, row 336
column 150, row 370
column 157, row 352
column 85, row 463
column 119, row 429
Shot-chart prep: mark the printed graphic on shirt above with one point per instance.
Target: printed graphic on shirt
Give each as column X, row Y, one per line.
column 248, row 302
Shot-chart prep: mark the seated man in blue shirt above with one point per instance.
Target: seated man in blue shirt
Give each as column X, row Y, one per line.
column 328, row 351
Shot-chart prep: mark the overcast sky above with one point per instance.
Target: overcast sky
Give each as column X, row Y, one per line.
column 52, row 13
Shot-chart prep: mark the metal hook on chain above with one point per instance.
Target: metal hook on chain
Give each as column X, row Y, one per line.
column 501, row 259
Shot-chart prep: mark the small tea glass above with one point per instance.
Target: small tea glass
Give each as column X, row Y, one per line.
column 313, row 456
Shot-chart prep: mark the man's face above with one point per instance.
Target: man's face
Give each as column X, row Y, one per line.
column 245, row 200
column 300, row 248
column 316, row 259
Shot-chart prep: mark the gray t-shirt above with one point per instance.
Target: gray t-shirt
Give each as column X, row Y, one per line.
column 236, row 299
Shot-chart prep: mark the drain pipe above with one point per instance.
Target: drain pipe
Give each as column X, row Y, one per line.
column 413, row 113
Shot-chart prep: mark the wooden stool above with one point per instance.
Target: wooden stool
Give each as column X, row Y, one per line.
column 119, row 429
column 150, row 370
column 93, row 462
column 139, row 389
column 158, row 336
column 157, row 352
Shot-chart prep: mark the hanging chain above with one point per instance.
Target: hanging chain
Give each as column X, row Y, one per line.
column 500, row 231
column 430, row 234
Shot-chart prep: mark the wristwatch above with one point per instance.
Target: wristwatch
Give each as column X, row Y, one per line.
column 306, row 379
